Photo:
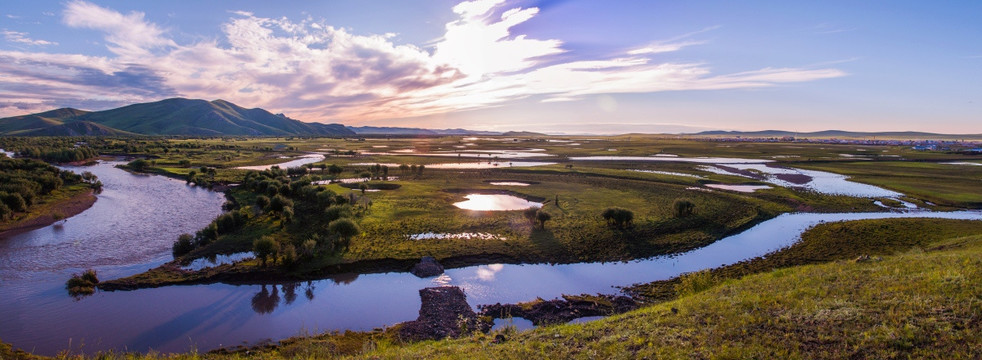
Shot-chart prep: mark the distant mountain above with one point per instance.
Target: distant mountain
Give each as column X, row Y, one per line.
column 77, row 128
column 175, row 116
column 840, row 134
column 375, row 130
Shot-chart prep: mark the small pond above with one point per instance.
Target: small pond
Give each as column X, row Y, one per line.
column 216, row 260
column 668, row 173
column 738, row 188
column 508, row 183
column 298, row 161
column 466, row 235
column 495, row 202
column 488, row 165
column 703, row 160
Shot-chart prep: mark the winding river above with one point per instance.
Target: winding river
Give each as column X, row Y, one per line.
column 136, row 218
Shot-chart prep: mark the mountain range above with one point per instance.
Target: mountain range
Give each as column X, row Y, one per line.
column 175, row 116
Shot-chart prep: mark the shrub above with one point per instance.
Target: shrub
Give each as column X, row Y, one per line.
column 138, row 165
column 530, row 214
column 262, row 202
column 279, row 202
column 263, row 248
column 183, row 245
column 619, row 217
column 683, row 208
column 82, row 284
column 289, row 256
column 308, row 248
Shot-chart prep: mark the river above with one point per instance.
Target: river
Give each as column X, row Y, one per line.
column 135, row 220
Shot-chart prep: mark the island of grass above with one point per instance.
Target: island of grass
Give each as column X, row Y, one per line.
column 34, row 194
column 296, row 214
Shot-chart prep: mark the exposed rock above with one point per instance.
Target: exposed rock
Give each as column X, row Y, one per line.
column 444, row 313
column 427, row 267
column 558, row 311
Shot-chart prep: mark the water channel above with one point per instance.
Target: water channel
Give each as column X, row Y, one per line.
column 136, row 218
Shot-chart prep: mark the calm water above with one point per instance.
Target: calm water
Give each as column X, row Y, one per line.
column 39, row 316
column 703, row 160
column 485, row 202
column 738, row 188
column 299, row 161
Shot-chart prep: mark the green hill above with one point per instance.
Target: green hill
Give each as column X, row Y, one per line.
column 175, row 116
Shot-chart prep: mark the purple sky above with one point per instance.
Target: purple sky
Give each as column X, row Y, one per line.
column 554, row 66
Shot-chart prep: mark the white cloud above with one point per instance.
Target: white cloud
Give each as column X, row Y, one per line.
column 21, row 38
column 130, row 35
column 317, row 72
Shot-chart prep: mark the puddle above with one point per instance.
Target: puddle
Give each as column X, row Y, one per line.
column 738, row 188
column 585, row 319
column 704, row 160
column 495, row 202
column 487, row 165
column 668, row 173
column 467, row 236
column 520, row 324
column 299, row 161
column 208, row 262
column 508, row 183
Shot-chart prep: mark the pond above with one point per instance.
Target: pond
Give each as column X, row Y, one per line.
column 668, row 173
column 738, row 188
column 207, row 262
column 662, row 157
column 298, row 161
column 466, row 235
column 508, row 183
column 488, row 165
column 495, row 202
column 818, row 181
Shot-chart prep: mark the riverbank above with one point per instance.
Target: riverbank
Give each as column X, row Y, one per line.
column 72, row 201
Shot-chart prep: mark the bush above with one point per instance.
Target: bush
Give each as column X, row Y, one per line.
column 619, row 217
column 183, row 245
column 289, row 256
column 309, row 246
column 262, row 202
column 138, row 165
column 263, row 248
column 278, row 203
column 336, row 212
column 82, row 284
column 683, row 208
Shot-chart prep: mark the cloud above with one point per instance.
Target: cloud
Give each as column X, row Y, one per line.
column 317, row 72
column 130, row 35
column 21, row 38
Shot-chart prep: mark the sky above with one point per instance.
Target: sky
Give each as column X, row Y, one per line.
column 555, row 66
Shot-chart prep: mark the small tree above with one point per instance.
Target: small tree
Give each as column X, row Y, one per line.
column 183, row 245
column 542, row 217
column 344, row 228
column 619, row 217
column 138, row 165
column 362, row 187
column 262, row 202
column 335, row 170
column 683, row 208
column 289, row 256
column 263, row 248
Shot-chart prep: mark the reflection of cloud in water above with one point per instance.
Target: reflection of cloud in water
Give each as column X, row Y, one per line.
column 487, row 272
column 442, row 280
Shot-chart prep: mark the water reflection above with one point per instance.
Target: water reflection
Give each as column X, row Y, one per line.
column 265, row 301
column 495, row 202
